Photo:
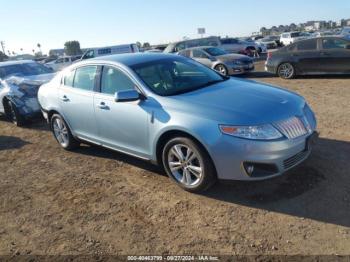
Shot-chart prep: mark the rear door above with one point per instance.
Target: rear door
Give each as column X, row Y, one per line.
column 307, row 56
column 76, row 97
column 335, row 55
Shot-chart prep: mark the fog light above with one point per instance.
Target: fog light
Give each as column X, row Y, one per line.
column 250, row 169
column 259, row 170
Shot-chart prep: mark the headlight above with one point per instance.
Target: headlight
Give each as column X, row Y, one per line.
column 263, row 132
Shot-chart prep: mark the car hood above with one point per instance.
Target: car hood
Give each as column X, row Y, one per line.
column 232, row 57
column 26, row 85
column 239, row 102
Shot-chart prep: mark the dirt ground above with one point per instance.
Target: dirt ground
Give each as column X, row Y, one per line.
column 95, row 201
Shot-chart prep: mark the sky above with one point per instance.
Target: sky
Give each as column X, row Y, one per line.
column 93, row 23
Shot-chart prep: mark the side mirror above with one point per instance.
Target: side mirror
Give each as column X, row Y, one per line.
column 126, row 96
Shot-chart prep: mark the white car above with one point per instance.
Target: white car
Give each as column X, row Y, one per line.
column 110, row 50
column 291, row 37
column 62, row 62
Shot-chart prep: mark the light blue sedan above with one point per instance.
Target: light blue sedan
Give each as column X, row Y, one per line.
column 197, row 124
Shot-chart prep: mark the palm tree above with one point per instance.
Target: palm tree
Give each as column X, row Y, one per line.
column 33, row 51
column 39, row 46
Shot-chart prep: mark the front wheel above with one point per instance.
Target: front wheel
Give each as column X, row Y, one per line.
column 62, row 133
column 286, row 71
column 221, row 69
column 13, row 114
column 188, row 164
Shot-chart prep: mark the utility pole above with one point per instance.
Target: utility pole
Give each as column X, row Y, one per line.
column 3, row 46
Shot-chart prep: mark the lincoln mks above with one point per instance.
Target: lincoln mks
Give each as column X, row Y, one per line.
column 198, row 125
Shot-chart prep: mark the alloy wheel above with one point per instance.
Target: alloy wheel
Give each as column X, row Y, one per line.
column 221, row 69
column 185, row 165
column 61, row 132
column 286, row 70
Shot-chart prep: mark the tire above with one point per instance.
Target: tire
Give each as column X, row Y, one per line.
column 188, row 164
column 221, row 69
column 13, row 114
column 286, row 71
column 62, row 133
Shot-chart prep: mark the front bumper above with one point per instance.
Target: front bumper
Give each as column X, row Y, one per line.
column 230, row 154
column 241, row 69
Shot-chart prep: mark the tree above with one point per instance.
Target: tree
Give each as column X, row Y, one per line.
column 72, row 48
column 39, row 46
column 3, row 56
column 146, row 45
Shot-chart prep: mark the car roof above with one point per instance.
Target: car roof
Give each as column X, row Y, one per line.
column 131, row 59
column 16, row 62
column 198, row 47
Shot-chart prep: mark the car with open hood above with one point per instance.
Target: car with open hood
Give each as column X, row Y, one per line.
column 19, row 85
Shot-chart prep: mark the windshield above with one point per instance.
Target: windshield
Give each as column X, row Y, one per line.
column 172, row 76
column 25, row 69
column 215, row 51
column 297, row 34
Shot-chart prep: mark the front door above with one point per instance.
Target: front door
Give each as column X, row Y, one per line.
column 122, row 125
column 201, row 57
column 335, row 55
column 76, row 96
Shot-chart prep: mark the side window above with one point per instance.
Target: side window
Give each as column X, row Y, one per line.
column 307, row 45
column 186, row 53
column 69, row 78
column 59, row 60
column 198, row 54
column 113, row 80
column 66, row 60
column 85, row 78
column 179, row 47
column 332, row 43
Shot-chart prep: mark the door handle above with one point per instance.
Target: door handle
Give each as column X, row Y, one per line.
column 65, row 98
column 103, row 105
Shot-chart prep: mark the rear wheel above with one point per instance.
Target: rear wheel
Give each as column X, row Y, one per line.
column 286, row 71
column 62, row 133
column 188, row 164
column 13, row 114
column 221, row 69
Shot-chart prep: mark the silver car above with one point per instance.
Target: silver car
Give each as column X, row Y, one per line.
column 219, row 60
column 173, row 111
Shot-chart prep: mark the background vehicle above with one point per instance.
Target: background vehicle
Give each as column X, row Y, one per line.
column 235, row 45
column 178, row 46
column 345, row 32
column 271, row 42
column 292, row 37
column 325, row 55
column 260, row 47
column 19, row 84
column 219, row 60
column 199, row 125
column 110, row 50
column 62, row 62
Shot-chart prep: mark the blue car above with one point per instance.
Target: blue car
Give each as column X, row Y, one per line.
column 198, row 125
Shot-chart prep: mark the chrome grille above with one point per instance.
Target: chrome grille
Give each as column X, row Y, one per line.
column 292, row 127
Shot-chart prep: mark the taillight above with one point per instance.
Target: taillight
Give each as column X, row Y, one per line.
column 269, row 55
